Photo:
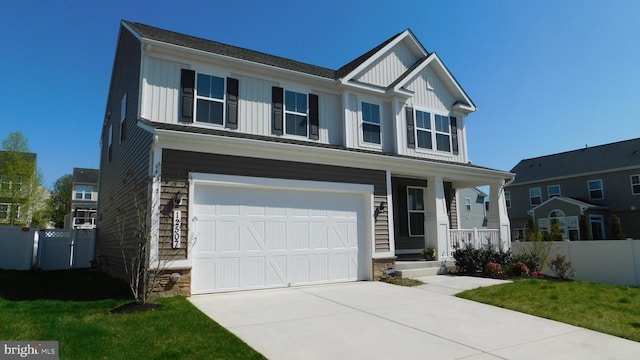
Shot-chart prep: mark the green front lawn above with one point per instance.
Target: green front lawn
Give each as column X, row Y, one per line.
column 73, row 309
column 605, row 308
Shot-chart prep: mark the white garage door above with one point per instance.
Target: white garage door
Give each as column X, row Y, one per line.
column 252, row 238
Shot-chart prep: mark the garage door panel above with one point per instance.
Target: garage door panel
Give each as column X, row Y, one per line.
column 250, row 238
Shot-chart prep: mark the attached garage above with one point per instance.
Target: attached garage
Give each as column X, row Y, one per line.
column 255, row 233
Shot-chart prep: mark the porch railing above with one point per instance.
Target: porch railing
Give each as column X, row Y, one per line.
column 478, row 238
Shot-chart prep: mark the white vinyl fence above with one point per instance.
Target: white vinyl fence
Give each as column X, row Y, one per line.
column 607, row 261
column 46, row 249
column 17, row 248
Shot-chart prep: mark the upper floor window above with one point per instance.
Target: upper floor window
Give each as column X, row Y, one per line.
column 371, row 123
column 6, row 184
column 443, row 133
column 83, row 192
column 123, row 116
column 110, row 148
column 4, row 211
column 467, row 204
column 596, row 190
column 295, row 110
column 635, row 184
column 535, row 196
column 209, row 99
column 507, row 199
column 553, row 190
column 423, row 130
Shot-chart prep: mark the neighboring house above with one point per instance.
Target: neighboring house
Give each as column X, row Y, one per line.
column 268, row 172
column 17, row 169
column 594, row 181
column 472, row 208
column 84, row 199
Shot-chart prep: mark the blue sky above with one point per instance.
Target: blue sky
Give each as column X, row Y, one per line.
column 547, row 76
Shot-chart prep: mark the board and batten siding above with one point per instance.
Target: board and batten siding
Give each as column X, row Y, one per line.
column 388, row 67
column 177, row 165
column 129, row 159
column 160, row 90
column 354, row 124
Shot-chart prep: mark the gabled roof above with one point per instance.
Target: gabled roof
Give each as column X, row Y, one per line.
column 608, row 157
column 87, row 176
column 580, row 204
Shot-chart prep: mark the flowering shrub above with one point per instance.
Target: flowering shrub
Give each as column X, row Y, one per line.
column 519, row 269
column 536, row 273
column 494, row 269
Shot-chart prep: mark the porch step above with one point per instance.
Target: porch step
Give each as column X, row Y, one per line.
column 411, row 269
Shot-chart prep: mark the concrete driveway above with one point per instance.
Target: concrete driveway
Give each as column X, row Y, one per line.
column 374, row 320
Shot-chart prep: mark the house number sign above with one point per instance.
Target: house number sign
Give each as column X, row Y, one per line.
column 176, row 228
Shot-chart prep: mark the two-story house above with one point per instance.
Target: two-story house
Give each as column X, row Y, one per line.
column 472, row 208
column 17, row 170
column 84, row 199
column 267, row 172
column 594, row 181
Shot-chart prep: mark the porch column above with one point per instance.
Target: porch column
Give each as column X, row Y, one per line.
column 436, row 219
column 497, row 216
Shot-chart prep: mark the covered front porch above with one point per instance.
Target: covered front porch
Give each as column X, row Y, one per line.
column 426, row 212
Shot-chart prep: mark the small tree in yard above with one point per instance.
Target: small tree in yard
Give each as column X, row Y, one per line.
column 615, row 228
column 537, row 251
column 585, row 229
column 143, row 268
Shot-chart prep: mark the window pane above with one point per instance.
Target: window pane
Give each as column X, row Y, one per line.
column 442, row 142
column 296, row 125
column 442, row 123
column 210, row 86
column 371, row 113
column 415, row 199
column 416, row 223
column 424, row 139
column 595, row 184
column 371, row 133
column 209, row 112
column 423, row 120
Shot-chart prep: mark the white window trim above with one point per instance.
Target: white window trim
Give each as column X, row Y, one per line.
column 436, row 132
column 531, row 197
column 601, row 189
column 284, row 119
column 467, row 204
column 223, row 101
column 83, row 189
column 361, row 122
column 5, row 217
column 594, row 218
column 423, row 211
column 632, row 184
column 549, row 195
column 507, row 199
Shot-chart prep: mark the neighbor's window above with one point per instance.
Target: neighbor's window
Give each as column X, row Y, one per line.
column 416, row 209
column 518, row 234
column 423, row 130
column 467, row 204
column 4, row 211
column 535, row 196
column 507, row 199
column 123, row 116
column 443, row 133
column 209, row 99
column 553, row 190
column 371, row 123
column 83, row 192
column 635, row 184
column 595, row 189
column 295, row 109
column 5, row 183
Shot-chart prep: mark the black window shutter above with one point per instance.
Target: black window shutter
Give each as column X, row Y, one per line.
column 187, row 83
column 314, row 119
column 232, row 103
column 277, row 96
column 454, row 134
column 411, row 135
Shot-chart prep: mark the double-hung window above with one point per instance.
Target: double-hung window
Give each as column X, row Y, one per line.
column 467, row 204
column 535, row 196
column 415, row 209
column 371, row 123
column 443, row 133
column 4, row 211
column 210, row 99
column 635, row 184
column 296, row 113
column 507, row 199
column 423, row 130
column 553, row 190
column 5, row 183
column 83, row 192
column 596, row 190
